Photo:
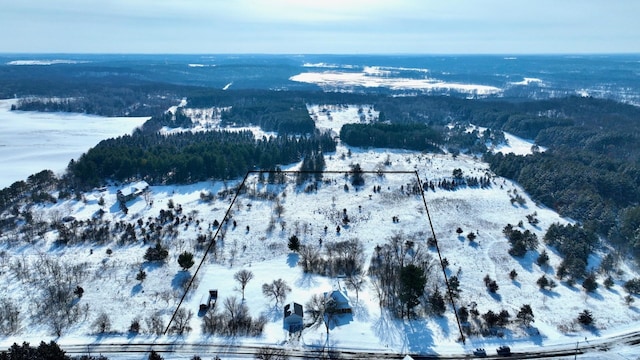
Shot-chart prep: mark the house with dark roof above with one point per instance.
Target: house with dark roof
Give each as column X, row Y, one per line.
column 293, row 317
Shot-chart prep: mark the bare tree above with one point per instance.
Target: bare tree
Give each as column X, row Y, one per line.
column 9, row 317
column 155, row 324
column 271, row 353
column 309, row 258
column 181, row 322
column 277, row 290
column 236, row 314
column 102, row 324
column 278, row 208
column 322, row 310
column 243, row 277
column 355, row 282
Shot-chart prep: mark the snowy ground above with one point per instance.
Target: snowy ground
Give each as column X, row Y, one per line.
column 34, row 141
column 110, row 284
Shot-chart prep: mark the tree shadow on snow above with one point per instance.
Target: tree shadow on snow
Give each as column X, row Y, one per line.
column 419, row 339
column 444, row 325
column 180, row 279
column 273, row 313
column 292, row 260
column 151, row 265
column 495, row 296
column 595, row 295
column 549, row 293
column 387, row 331
column 136, row 289
column 306, row 281
column 360, row 310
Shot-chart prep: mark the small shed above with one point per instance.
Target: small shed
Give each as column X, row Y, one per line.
column 207, row 301
column 293, row 315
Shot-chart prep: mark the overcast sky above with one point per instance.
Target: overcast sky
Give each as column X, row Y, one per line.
column 320, row 26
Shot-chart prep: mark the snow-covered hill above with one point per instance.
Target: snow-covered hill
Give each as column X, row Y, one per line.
column 256, row 239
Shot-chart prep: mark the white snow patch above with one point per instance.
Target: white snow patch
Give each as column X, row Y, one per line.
column 340, row 80
column 528, row 81
column 331, row 118
column 45, row 62
column 34, row 141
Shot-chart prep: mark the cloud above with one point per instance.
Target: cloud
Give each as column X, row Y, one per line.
column 329, row 26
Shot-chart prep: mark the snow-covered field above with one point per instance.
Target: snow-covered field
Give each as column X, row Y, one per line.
column 32, row 141
column 376, row 77
column 110, row 285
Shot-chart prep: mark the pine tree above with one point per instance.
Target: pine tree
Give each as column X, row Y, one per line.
column 185, row 260
column 525, row 315
column 585, row 318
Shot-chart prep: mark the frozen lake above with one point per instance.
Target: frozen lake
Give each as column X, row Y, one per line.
column 34, row 141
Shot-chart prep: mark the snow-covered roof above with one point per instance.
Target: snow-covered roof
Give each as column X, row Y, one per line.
column 134, row 188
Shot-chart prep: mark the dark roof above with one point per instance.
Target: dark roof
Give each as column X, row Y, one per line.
column 297, row 309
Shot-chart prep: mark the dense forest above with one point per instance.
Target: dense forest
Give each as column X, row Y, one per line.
column 401, row 136
column 190, row 157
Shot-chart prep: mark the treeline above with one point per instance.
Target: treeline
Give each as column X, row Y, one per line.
column 190, row 157
column 581, row 185
column 414, row 136
column 281, row 111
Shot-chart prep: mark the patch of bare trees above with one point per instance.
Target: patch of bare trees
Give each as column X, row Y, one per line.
column 338, row 258
column 233, row 319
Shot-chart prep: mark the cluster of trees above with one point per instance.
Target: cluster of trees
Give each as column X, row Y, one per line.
column 574, row 243
column 338, row 258
column 414, row 136
column 108, row 100
column 400, row 270
column 35, row 187
column 190, row 157
column 312, row 166
column 590, row 171
column 44, row 351
column 521, row 242
column 233, row 319
column 474, row 322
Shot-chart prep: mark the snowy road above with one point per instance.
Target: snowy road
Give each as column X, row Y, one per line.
column 596, row 349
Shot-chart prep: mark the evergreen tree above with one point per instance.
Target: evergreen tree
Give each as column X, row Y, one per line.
column 412, row 283
column 585, row 318
column 525, row 315
column 185, row 260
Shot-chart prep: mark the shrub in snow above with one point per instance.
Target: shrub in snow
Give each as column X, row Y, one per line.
column 632, row 286
column 513, row 274
column 608, row 282
column 589, row 283
column 156, row 253
column 155, row 356
column 102, row 324
column 585, row 318
column 525, row 315
column 134, row 328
